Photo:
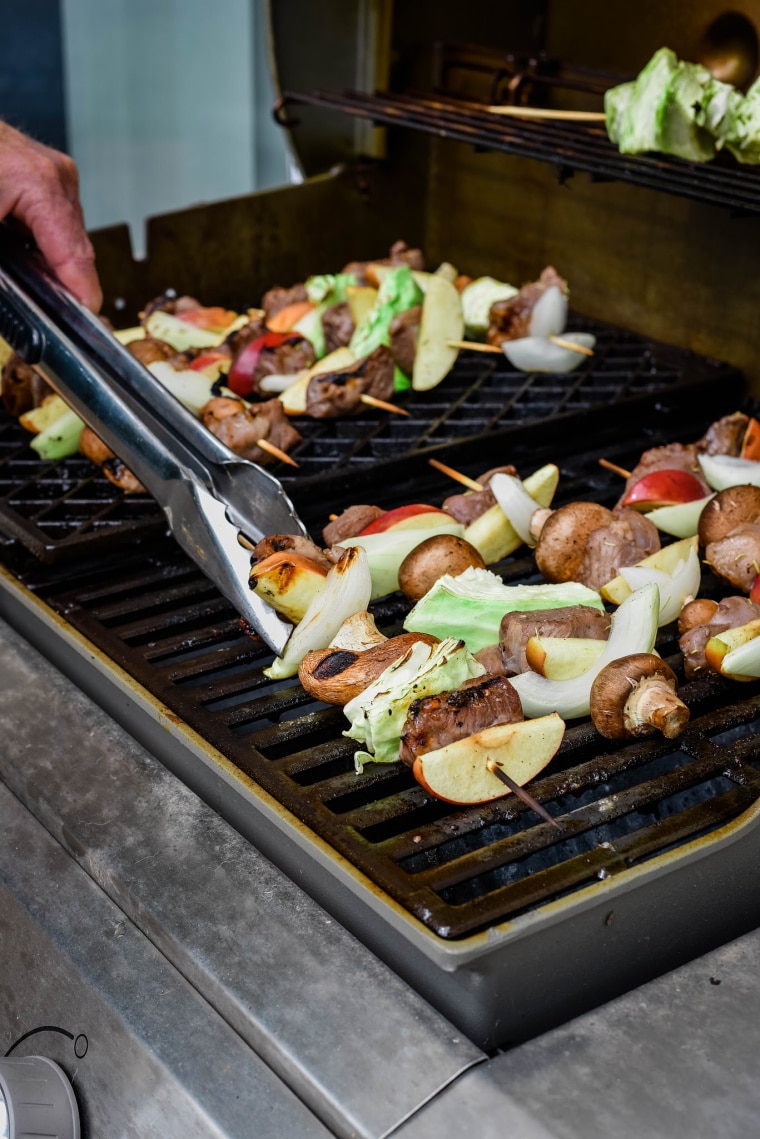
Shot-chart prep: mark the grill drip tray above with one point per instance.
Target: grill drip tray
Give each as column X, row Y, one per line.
column 504, row 923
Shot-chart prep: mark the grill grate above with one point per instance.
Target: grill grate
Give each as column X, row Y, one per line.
column 569, row 147
column 458, row 870
column 59, row 510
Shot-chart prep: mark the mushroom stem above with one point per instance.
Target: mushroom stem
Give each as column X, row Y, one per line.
column 654, row 703
column 537, row 520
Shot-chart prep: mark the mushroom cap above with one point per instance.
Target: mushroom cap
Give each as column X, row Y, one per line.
column 699, row 611
column 732, row 507
column 432, row 558
column 613, row 686
column 562, row 544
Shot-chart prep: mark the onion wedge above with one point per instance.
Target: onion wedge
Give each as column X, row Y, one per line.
column 723, row 471
column 537, row 354
column 346, row 591
column 518, row 505
column 675, row 587
column 633, row 630
column 549, row 315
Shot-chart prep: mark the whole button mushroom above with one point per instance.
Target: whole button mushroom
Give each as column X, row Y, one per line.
column 635, row 696
column 564, row 537
column 431, row 559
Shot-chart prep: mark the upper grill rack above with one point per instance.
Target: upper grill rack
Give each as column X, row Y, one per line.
column 458, row 870
column 568, row 146
column 60, row 509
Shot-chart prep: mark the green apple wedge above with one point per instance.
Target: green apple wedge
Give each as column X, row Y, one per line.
column 441, row 322
column 458, row 772
column 493, row 535
column 735, row 653
column 680, row 520
column 562, row 658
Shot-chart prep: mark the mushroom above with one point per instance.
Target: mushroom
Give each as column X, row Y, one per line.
column 336, row 675
column 564, row 535
column 698, row 611
column 636, row 695
column 432, row 558
column 735, row 506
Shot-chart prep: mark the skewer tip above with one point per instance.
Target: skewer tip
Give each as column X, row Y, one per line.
column 270, row 448
column 372, row 401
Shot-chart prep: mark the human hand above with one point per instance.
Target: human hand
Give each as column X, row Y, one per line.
column 39, row 187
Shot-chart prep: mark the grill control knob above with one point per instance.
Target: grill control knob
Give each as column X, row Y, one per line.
column 36, row 1099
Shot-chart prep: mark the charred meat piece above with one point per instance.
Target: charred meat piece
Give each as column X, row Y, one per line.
column 242, row 337
column 338, row 325
column 350, row 523
column 671, row 457
column 404, row 333
column 400, row 254
column 293, row 355
column 278, row 298
column 569, row 621
column 149, row 350
column 725, row 436
column 510, row 319
column 435, row 721
column 295, row 543
column 240, row 426
column 331, row 394
column 730, row 613
column 467, row 507
column 93, row 448
column 21, row 386
column 627, row 539
column 492, row 659
column 736, row 558
column 171, row 303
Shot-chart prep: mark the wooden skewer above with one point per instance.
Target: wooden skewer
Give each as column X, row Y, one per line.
column 371, row 401
column 608, row 466
column 456, row 475
column 474, row 346
column 278, row 454
column 246, row 543
column 548, row 113
column 496, row 769
column 562, row 343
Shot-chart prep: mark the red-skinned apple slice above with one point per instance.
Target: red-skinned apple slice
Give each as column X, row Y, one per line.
column 457, row 773
column 663, row 488
column 735, row 653
column 415, row 516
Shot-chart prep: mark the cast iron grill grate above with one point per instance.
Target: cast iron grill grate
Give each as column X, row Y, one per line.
column 457, row 869
column 59, row 510
column 570, row 147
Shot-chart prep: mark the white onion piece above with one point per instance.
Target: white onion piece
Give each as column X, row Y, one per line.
column 674, row 587
column 744, row 660
column 517, row 504
column 279, row 383
column 633, row 630
column 346, row 591
column 549, row 314
column 536, row 354
column 723, row 471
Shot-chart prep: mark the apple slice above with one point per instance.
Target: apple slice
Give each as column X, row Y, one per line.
column 680, row 520
column 44, row 415
column 562, row 658
column 288, row 581
column 361, row 300
column 293, row 399
column 493, row 535
column 666, row 560
column 441, row 322
column 735, row 653
column 457, row 773
column 663, row 488
column 415, row 516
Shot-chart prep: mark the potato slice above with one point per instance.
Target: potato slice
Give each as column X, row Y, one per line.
column 562, row 658
column 457, row 773
column 441, row 321
column 664, row 560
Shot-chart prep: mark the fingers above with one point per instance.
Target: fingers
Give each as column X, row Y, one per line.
column 40, row 187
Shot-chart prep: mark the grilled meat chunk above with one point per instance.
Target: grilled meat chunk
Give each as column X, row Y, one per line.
column 627, row 539
column 93, row 448
column 731, row 612
column 278, row 298
column 236, row 341
column 736, row 558
column 294, row 355
column 171, row 303
column 510, row 319
column 149, row 349
column 404, row 332
column 671, row 457
column 467, row 507
column 276, row 543
column 338, row 325
column 400, row 254
column 435, row 721
column 22, row 387
column 568, row 621
column 339, row 393
column 725, row 436
column 492, row 659
column 350, row 523
column 240, row 426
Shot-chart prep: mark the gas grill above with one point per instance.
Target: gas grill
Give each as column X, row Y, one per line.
column 496, row 923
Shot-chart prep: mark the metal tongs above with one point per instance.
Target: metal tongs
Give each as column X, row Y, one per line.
column 208, row 494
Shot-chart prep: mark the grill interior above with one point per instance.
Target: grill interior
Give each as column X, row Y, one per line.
column 458, row 870
column 59, row 510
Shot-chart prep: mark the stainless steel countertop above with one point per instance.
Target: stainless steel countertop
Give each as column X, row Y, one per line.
column 151, row 917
